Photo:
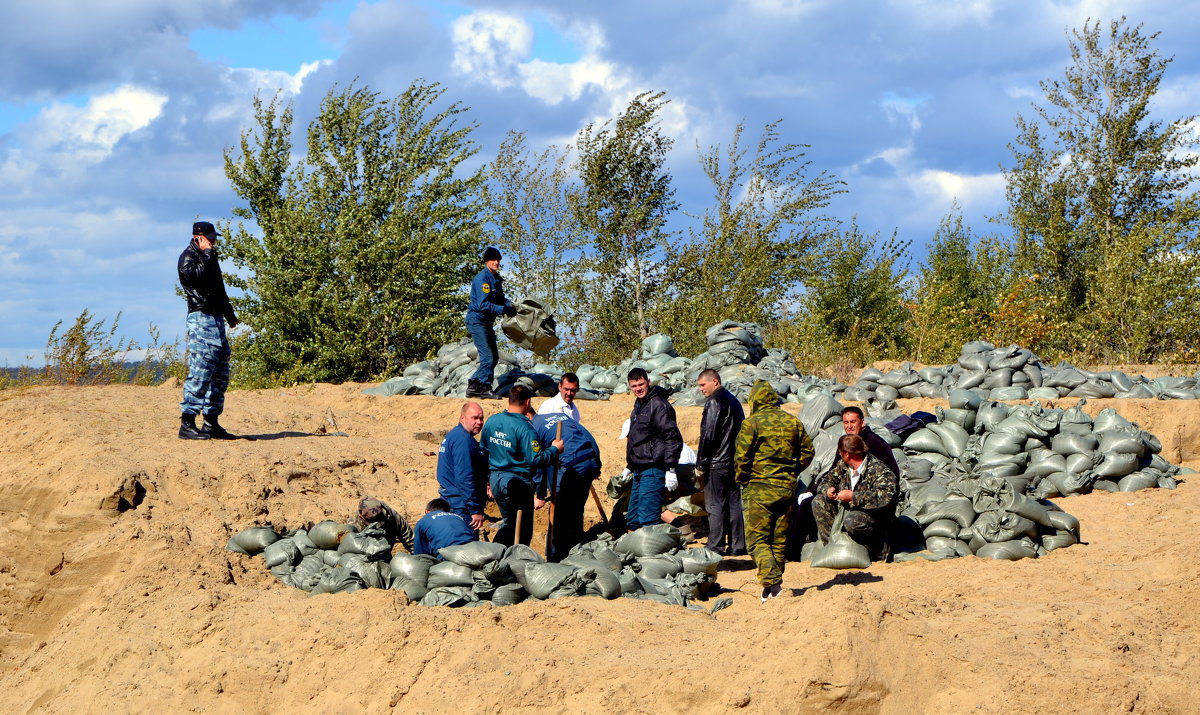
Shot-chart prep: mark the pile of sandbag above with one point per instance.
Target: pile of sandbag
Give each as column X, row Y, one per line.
column 656, row 355
column 1012, row 373
column 649, row 564
column 979, row 474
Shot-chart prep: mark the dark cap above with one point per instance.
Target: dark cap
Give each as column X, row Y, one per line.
column 204, row 228
column 491, row 254
column 370, row 509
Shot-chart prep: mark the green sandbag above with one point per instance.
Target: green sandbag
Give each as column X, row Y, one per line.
column 448, row 573
column 961, row 399
column 328, row 534
column 329, row 557
column 541, row 579
column 946, row 528
column 452, row 596
column 962, row 417
column 650, row 540
column 1071, row 483
column 1010, row 550
column 1116, row 465
column 1124, row 441
column 945, row 547
column 1137, row 481
column 306, row 575
column 1167, row 482
column 996, row 526
column 959, row 510
column 280, row 552
column 842, row 551
column 1110, row 419
column 700, row 561
column 1067, row 443
column 953, row 437
column 1059, row 540
column 925, row 440
column 474, row 554
column 252, row 541
column 413, row 568
column 1008, row 443
column 995, row 493
column 664, row 566
column 339, row 580
column 411, row 588
column 481, row 586
column 573, row 585
column 516, row 558
column 370, row 542
column 598, row 580
column 989, row 414
column 1043, row 463
column 619, row 485
column 630, row 585
column 509, row 594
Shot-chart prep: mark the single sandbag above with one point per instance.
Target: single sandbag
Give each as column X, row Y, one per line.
column 252, row 541
column 448, row 573
column 414, row 568
column 946, row 528
column 953, row 437
column 541, row 579
column 509, row 594
column 411, row 588
column 649, row 541
column 1011, row 550
column 452, row 596
column 283, row 551
column 473, row 554
column 370, row 542
column 601, row 582
column 1059, row 540
column 339, row 580
column 1116, row 465
column 1137, row 481
column 842, row 551
column 700, row 561
column 997, row 526
column 664, row 566
column 328, row 534
column 958, row 510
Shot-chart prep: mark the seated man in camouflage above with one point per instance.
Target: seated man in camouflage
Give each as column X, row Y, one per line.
column 395, row 527
column 866, row 488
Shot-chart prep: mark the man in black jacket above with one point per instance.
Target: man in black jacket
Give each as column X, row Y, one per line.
column 208, row 346
column 651, row 450
column 719, row 427
column 853, row 422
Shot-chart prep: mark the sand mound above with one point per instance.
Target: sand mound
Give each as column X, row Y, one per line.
column 116, row 592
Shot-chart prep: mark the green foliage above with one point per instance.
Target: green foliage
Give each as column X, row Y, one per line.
column 531, row 222
column 87, row 353
column 623, row 202
column 1097, row 184
column 853, row 304
column 755, row 243
column 957, row 291
column 363, row 246
column 163, row 360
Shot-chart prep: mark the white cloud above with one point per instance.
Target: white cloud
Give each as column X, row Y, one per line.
column 489, row 45
column 942, row 15
column 901, row 108
column 945, row 186
column 89, row 133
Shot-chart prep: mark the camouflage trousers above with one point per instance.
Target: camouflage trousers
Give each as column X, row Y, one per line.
column 765, row 509
column 208, row 365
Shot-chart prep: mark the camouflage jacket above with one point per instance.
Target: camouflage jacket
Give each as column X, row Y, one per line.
column 771, row 446
column 876, row 491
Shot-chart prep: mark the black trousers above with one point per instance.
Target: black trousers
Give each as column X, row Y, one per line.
column 723, row 502
column 569, row 503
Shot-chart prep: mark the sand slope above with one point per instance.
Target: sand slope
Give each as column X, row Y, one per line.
column 116, row 592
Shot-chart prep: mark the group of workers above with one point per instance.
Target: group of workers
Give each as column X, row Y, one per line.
column 524, row 460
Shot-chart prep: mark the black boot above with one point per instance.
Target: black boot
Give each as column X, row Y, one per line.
column 213, row 429
column 187, row 428
column 474, row 388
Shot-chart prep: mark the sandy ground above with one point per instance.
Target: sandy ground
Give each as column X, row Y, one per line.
column 116, row 593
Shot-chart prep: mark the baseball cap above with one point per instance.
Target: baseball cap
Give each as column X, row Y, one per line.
column 203, row 228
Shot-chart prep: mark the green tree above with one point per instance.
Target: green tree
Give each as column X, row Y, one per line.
column 1097, row 184
column 531, row 222
column 623, row 203
column 957, row 290
column 759, row 238
column 853, row 303
column 363, row 246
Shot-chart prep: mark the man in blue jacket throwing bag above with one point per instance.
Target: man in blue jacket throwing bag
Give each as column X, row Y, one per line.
column 487, row 302
column 515, row 458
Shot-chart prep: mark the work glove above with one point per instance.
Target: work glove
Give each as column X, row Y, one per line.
column 672, row 480
column 510, row 310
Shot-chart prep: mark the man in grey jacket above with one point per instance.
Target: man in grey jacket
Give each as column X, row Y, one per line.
column 719, row 427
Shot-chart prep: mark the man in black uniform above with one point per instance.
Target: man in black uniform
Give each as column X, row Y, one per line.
column 719, row 427
column 207, row 344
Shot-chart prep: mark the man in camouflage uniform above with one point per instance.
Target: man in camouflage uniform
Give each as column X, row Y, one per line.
column 771, row 451
column 866, row 488
column 395, row 527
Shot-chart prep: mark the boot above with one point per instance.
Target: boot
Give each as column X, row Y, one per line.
column 187, row 428
column 213, row 429
column 474, row 388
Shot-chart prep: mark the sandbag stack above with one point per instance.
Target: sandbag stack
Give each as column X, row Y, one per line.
column 1013, row 373
column 649, row 564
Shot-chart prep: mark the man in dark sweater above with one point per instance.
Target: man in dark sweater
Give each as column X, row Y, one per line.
column 719, row 427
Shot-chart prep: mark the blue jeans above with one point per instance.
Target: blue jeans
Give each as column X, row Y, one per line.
column 208, row 365
column 646, row 498
column 513, row 494
column 484, row 336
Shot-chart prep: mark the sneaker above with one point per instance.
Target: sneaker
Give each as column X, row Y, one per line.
column 770, row 592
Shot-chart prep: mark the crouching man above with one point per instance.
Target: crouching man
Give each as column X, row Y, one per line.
column 866, row 488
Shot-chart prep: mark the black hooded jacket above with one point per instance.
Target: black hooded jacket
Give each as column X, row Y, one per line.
column 200, row 276
column 719, row 426
column 654, row 440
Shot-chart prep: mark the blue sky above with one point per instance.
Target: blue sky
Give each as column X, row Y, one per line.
column 113, row 117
